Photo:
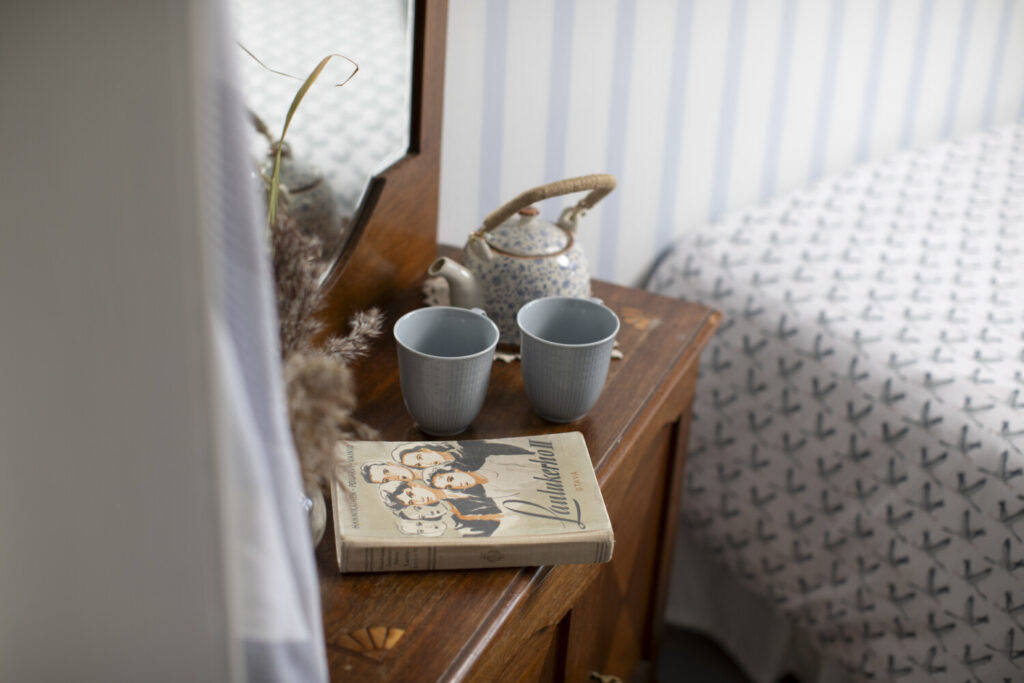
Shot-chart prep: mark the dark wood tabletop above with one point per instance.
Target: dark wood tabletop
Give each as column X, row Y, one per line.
column 449, row 617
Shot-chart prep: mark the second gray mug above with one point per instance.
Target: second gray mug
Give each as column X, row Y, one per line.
column 566, row 346
column 444, row 365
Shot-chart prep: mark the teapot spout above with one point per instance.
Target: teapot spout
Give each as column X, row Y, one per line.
column 466, row 290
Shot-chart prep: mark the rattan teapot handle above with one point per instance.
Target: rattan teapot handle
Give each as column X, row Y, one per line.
column 599, row 184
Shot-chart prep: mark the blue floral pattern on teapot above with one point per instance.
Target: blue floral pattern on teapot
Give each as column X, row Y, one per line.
column 517, row 256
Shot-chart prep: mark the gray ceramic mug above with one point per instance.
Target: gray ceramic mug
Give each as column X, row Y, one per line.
column 566, row 346
column 444, row 365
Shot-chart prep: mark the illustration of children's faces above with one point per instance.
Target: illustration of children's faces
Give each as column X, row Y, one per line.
column 422, row 527
column 424, row 457
column 415, row 495
column 454, row 480
column 423, row 512
column 388, row 472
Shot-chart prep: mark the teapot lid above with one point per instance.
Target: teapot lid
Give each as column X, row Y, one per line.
column 527, row 234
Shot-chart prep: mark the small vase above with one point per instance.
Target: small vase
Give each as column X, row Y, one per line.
column 316, row 508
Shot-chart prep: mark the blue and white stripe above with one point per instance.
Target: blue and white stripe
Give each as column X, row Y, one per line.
column 701, row 106
column 674, row 121
column 493, row 120
column 784, row 56
column 625, row 33
column 957, row 69
column 998, row 57
column 874, row 77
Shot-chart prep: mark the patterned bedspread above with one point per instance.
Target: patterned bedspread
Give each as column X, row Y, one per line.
column 858, row 429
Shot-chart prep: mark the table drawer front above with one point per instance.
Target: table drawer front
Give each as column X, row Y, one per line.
column 610, row 631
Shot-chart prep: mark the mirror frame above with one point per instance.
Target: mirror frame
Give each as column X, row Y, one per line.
column 393, row 238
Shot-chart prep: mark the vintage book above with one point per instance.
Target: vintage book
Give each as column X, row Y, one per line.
column 522, row 501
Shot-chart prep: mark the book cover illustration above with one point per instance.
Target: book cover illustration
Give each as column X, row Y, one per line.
column 525, row 491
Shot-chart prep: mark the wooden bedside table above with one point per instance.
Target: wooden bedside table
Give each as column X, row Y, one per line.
column 535, row 623
column 540, row 623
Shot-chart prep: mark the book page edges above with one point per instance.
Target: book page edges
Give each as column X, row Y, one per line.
column 377, row 554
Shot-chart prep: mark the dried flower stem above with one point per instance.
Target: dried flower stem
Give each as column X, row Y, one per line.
column 319, row 386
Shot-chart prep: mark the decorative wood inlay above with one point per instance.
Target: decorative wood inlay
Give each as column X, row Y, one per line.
column 373, row 642
column 635, row 317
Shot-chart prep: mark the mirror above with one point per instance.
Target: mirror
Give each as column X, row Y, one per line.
column 340, row 137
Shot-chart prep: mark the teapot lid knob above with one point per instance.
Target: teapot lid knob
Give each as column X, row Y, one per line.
column 529, row 211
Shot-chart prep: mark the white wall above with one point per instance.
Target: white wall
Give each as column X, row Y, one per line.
column 699, row 106
column 111, row 564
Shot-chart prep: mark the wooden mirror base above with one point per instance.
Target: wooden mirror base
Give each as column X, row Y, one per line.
column 394, row 237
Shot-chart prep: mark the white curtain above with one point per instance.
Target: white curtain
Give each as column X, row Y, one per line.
column 272, row 579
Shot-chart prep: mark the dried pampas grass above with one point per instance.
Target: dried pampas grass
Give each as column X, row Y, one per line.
column 321, row 399
column 363, row 326
column 319, row 386
column 296, row 267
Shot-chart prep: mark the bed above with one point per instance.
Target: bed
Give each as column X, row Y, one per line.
column 856, row 449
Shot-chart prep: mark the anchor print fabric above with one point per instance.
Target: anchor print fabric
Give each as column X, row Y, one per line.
column 856, row 451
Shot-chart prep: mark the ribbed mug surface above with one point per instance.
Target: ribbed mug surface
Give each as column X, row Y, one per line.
column 566, row 347
column 444, row 366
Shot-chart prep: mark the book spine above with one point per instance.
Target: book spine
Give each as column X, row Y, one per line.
column 356, row 556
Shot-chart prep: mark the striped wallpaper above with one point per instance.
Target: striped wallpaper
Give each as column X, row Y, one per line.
column 700, row 106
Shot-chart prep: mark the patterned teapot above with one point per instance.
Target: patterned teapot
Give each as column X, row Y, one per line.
column 516, row 256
